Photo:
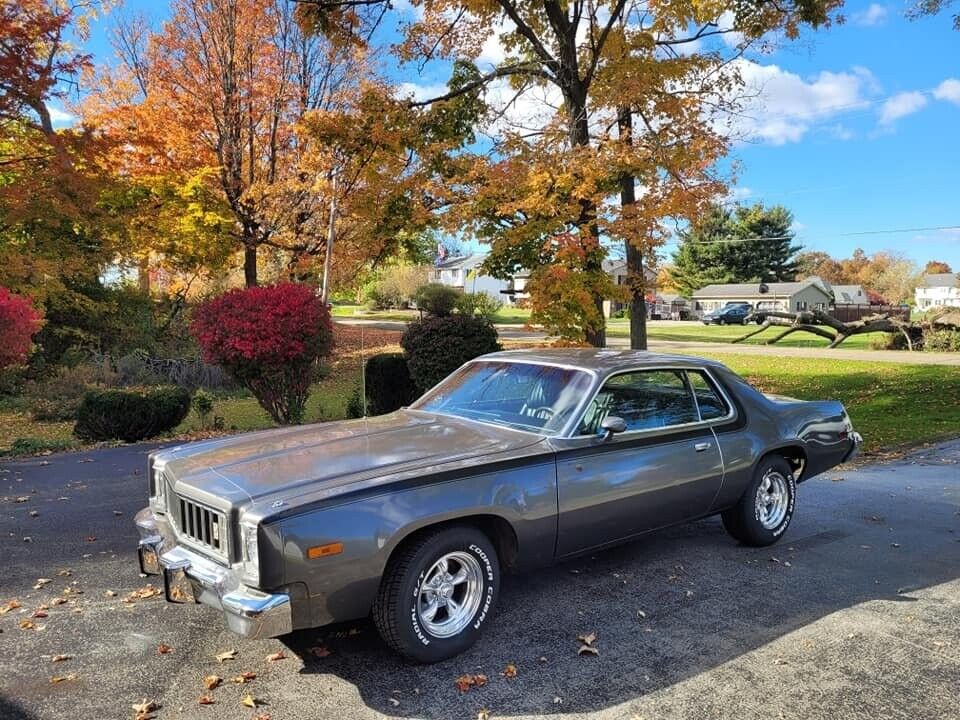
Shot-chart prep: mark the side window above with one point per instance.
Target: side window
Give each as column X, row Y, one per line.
column 712, row 405
column 646, row 400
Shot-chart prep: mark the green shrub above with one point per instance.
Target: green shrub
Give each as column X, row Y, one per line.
column 130, row 415
column 380, row 297
column 202, row 404
column 437, row 346
column 388, row 384
column 942, row 341
column 436, row 299
column 479, row 303
column 355, row 404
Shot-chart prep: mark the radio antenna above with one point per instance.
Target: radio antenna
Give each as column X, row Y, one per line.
column 363, row 372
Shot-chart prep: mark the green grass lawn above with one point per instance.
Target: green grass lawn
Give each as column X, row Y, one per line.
column 892, row 405
column 507, row 315
column 695, row 331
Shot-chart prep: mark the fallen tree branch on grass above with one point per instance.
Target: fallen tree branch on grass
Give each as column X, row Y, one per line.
column 816, row 322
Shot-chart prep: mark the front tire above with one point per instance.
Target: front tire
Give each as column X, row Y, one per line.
column 765, row 510
column 437, row 594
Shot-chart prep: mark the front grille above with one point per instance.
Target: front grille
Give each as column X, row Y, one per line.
column 203, row 526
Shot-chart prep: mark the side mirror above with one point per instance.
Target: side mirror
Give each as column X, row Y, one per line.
column 612, row 425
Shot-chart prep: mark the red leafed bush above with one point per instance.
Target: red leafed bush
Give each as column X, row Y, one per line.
column 268, row 338
column 19, row 320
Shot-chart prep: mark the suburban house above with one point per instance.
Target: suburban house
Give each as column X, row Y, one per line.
column 809, row 294
column 849, row 295
column 938, row 290
column 617, row 270
column 465, row 274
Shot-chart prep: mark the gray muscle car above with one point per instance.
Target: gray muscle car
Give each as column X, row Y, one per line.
column 516, row 460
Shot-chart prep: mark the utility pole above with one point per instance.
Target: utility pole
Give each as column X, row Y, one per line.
column 331, row 232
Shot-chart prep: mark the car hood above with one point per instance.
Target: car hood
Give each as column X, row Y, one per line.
column 287, row 462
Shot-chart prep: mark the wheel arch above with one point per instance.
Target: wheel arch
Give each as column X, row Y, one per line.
column 794, row 453
column 497, row 528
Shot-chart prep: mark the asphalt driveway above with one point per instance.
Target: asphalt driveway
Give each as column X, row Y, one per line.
column 855, row 614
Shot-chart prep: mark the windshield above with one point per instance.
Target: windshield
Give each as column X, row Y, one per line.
column 524, row 396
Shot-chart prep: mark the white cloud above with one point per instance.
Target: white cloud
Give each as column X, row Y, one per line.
column 421, row 92
column 875, row 14
column 784, row 105
column 61, row 118
column 948, row 90
column 738, row 194
column 901, row 105
column 732, row 38
column 405, row 7
column 493, row 51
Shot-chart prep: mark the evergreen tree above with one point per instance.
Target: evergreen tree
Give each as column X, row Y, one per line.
column 744, row 244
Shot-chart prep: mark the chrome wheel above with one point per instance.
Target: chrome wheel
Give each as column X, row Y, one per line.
column 451, row 594
column 772, row 500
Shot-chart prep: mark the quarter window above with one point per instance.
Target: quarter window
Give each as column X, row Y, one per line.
column 646, row 400
column 712, row 405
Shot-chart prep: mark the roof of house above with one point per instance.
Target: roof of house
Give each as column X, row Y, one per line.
column 752, row 290
column 940, row 280
column 849, row 295
column 671, row 298
column 466, row 262
column 613, row 266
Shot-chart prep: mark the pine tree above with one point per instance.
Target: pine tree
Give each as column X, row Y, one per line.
column 744, row 244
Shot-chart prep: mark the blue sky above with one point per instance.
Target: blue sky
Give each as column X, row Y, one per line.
column 855, row 131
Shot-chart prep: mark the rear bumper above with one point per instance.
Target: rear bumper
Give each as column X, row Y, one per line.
column 856, row 441
column 189, row 577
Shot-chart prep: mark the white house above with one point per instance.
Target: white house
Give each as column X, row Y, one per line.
column 850, row 295
column 938, row 290
column 465, row 274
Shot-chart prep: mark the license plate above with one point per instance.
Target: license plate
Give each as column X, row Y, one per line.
column 177, row 586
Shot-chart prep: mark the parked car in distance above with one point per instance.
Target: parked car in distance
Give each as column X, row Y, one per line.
column 733, row 313
column 516, row 460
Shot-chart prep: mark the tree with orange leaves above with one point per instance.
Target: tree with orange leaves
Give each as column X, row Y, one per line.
column 638, row 89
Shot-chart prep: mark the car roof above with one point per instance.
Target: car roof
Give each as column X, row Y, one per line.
column 601, row 360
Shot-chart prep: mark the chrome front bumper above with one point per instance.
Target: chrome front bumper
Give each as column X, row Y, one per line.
column 190, row 577
column 857, row 442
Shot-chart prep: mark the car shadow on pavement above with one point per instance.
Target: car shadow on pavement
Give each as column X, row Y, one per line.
column 665, row 609
column 11, row 710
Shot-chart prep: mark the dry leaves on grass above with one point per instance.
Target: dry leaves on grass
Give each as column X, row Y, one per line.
column 212, row 681
column 586, row 644
column 226, row 655
column 465, row 682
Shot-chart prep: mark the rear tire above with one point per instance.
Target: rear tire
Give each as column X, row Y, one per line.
column 437, row 594
column 765, row 509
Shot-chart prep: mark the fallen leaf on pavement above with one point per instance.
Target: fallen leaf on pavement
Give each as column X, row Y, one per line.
column 894, row 545
column 39, row 614
column 22, row 499
column 587, row 650
column 66, row 572
column 147, row 591
column 163, row 649
column 261, row 716
column 587, row 638
column 226, row 655
column 510, row 671
column 465, row 682
column 248, row 700
column 26, row 625
column 145, row 709
column 641, row 614
column 205, row 700
column 278, row 655
column 245, row 677
column 321, row 651
column 484, row 714
column 10, row 605
column 118, row 512
column 57, row 679
column 393, row 701
column 212, row 681
column 41, row 582
column 60, row 658
column 90, row 538
column 58, row 601
column 33, row 513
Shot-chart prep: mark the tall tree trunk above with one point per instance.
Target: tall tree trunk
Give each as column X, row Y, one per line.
column 250, row 264
column 635, row 275
column 576, row 101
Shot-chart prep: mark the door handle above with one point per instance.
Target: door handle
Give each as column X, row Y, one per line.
column 701, row 446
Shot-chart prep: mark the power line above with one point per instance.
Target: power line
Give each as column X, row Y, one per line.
column 884, row 231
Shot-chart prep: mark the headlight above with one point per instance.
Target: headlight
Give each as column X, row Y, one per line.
column 251, row 553
column 158, row 488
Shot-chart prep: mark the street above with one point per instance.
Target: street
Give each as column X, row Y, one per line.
column 854, row 614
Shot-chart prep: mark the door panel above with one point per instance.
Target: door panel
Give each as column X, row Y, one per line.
column 627, row 485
